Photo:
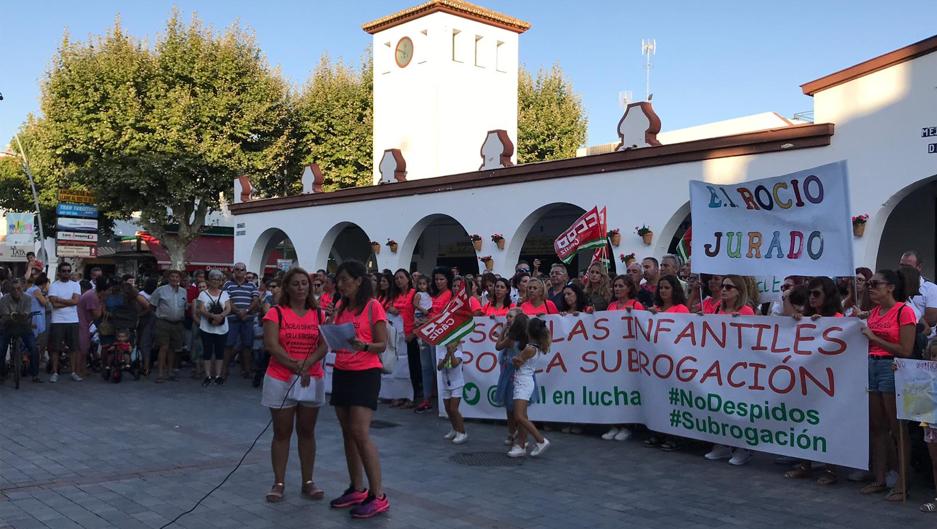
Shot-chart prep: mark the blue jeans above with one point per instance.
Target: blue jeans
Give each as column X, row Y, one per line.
column 29, row 342
column 428, row 365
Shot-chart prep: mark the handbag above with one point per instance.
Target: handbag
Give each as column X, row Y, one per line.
column 389, row 354
column 105, row 327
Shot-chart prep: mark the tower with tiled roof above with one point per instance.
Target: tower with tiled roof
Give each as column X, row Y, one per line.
column 445, row 73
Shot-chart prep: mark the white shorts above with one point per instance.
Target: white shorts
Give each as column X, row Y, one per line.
column 523, row 387
column 276, row 394
column 452, row 393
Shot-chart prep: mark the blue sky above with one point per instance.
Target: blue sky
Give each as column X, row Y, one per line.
column 715, row 60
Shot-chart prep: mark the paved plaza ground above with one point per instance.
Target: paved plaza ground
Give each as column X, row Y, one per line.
column 94, row 455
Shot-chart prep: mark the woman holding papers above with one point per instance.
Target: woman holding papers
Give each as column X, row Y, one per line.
column 356, row 383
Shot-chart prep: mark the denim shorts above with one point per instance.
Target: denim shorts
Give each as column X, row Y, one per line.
column 240, row 333
column 881, row 375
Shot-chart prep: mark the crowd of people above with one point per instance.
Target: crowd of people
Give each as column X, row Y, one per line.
column 270, row 327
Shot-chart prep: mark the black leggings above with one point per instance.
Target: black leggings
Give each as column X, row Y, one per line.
column 213, row 345
column 416, row 368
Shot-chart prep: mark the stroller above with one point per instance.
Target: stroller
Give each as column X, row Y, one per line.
column 119, row 356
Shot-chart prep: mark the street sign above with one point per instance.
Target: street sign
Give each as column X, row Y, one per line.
column 78, row 196
column 70, row 224
column 14, row 253
column 76, row 210
column 76, row 236
column 76, row 251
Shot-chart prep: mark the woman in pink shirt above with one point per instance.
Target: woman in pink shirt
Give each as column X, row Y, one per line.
column 401, row 304
column 624, row 292
column 356, row 383
column 293, row 388
column 890, row 328
column 670, row 296
column 440, row 292
column 535, row 303
column 734, row 297
column 500, row 303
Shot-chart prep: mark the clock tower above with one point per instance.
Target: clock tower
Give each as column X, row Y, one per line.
column 445, row 73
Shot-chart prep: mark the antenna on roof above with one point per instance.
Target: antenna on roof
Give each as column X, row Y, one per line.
column 648, row 48
column 625, row 98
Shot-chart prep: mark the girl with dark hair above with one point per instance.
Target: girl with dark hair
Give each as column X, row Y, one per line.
column 573, row 300
column 624, row 294
column 487, row 283
column 401, row 304
column 499, row 302
column 293, row 385
column 513, row 338
column 519, row 287
column 440, row 292
column 526, row 363
column 384, row 282
column 356, row 383
column 890, row 328
column 669, row 296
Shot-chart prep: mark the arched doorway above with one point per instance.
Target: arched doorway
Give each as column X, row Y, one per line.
column 440, row 240
column 911, row 225
column 535, row 236
column 273, row 251
column 345, row 241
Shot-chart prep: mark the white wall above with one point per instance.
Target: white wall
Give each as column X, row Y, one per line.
column 435, row 107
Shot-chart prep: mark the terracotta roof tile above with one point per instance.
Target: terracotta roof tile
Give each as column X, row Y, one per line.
column 455, row 7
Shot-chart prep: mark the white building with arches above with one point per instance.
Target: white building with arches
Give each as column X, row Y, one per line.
column 880, row 116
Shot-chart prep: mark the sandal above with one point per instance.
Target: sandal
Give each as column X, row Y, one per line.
column 652, row 442
column 801, row 471
column 929, row 506
column 276, row 493
column 896, row 494
column 873, row 488
column 669, row 445
column 311, row 491
column 827, row 478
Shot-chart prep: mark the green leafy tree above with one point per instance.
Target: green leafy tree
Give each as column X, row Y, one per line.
column 165, row 130
column 334, row 114
column 551, row 123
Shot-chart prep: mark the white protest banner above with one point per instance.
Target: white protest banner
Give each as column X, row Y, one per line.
column 792, row 224
column 916, row 390
column 771, row 384
column 769, row 288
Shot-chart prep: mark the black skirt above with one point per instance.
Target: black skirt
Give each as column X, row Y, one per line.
column 356, row 388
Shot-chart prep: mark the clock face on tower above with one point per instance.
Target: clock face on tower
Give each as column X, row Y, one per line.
column 404, row 52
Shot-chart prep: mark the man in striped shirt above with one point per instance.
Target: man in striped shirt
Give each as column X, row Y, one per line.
column 244, row 303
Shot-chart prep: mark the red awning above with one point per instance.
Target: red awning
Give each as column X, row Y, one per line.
column 205, row 251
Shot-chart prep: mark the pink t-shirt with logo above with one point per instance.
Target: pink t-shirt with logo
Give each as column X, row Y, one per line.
column 299, row 337
column 360, row 360
column 404, row 305
column 548, row 307
column 887, row 326
column 630, row 304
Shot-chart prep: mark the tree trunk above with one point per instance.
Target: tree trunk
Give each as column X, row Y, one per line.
column 190, row 225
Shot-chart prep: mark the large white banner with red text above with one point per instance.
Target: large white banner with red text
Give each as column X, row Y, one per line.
column 792, row 224
column 770, row 384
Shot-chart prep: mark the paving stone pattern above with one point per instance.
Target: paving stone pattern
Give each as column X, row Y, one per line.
column 133, row 455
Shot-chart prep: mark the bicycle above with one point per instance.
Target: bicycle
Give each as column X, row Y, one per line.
column 14, row 327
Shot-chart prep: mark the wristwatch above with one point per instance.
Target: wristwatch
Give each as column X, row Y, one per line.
column 366, row 347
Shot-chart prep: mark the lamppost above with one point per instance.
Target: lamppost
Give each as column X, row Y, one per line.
column 42, row 255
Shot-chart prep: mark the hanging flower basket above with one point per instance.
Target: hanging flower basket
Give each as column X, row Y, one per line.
column 498, row 239
column 646, row 234
column 489, row 263
column 375, row 247
column 627, row 259
column 615, row 237
column 858, row 224
column 477, row 242
column 392, row 244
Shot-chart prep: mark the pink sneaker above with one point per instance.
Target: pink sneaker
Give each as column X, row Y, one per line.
column 371, row 507
column 349, row 498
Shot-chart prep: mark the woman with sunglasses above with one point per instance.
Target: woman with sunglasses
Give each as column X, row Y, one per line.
column 890, row 329
column 822, row 301
column 733, row 301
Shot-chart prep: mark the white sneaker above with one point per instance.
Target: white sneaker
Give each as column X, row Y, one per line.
column 460, row 438
column 609, row 435
column 891, row 479
column 517, row 451
column 509, row 440
column 719, row 452
column 540, row 448
column 54, row 378
column 76, row 378
column 451, row 435
column 740, row 456
column 623, row 435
